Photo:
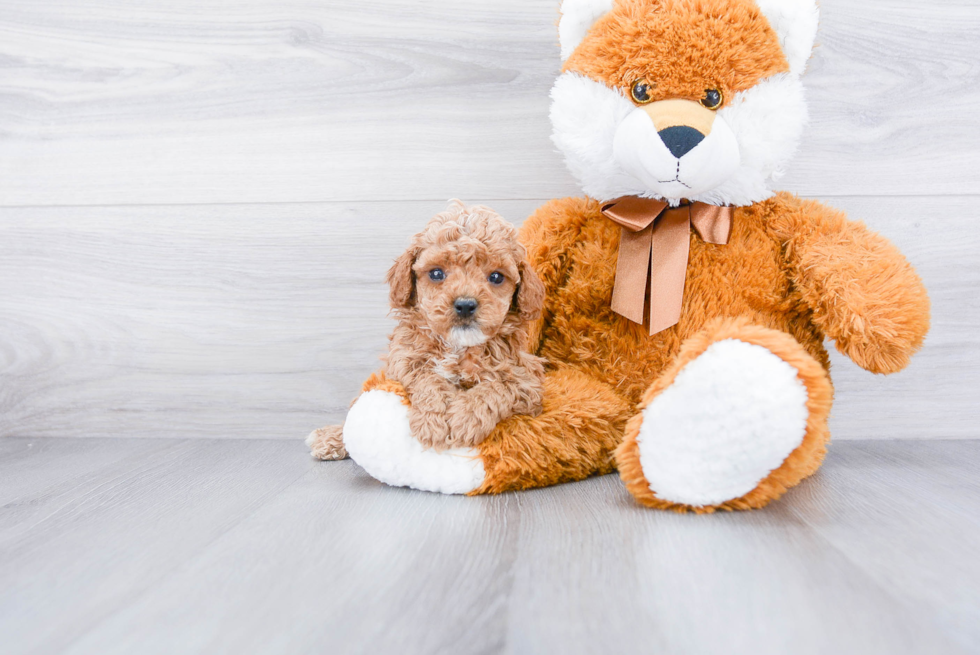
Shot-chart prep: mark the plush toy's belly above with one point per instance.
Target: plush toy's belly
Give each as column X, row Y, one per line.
column 744, row 278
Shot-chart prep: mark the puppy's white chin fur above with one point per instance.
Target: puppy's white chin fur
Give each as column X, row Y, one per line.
column 466, row 337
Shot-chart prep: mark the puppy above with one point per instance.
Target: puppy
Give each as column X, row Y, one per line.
column 464, row 296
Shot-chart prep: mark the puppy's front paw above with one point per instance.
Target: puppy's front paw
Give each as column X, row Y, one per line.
column 430, row 428
column 327, row 443
column 469, row 422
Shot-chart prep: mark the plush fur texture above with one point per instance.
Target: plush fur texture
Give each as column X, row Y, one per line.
column 463, row 373
column 864, row 295
column 727, row 419
column 728, row 408
column 792, row 272
column 791, row 265
column 577, row 16
column 802, row 461
column 379, row 439
column 573, row 438
column 681, row 48
column 794, row 21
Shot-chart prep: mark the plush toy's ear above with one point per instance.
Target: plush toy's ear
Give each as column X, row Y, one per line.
column 577, row 16
column 401, row 281
column 529, row 299
column 795, row 21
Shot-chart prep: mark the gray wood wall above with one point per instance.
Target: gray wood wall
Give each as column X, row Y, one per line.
column 199, row 198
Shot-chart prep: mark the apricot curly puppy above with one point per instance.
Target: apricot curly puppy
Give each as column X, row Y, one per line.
column 464, row 297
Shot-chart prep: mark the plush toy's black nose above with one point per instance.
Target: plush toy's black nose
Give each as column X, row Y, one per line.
column 681, row 139
column 465, row 307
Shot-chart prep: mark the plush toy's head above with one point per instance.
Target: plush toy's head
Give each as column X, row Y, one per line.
column 681, row 99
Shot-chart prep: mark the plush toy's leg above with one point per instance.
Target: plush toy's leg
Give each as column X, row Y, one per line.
column 573, row 438
column 739, row 418
column 328, row 443
column 378, row 437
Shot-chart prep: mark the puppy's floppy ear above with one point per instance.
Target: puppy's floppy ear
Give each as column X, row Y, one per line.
column 401, row 280
column 529, row 298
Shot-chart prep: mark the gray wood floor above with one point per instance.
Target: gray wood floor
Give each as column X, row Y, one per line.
column 194, row 546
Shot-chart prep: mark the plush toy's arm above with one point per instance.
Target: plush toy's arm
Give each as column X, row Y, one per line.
column 863, row 293
column 547, row 235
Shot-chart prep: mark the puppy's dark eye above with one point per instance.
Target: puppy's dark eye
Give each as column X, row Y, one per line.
column 712, row 99
column 437, row 275
column 641, row 92
column 496, row 277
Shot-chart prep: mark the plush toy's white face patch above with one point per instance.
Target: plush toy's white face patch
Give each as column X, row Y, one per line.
column 676, row 149
column 672, row 147
column 615, row 148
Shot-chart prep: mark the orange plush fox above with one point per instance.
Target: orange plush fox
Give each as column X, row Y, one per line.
column 687, row 303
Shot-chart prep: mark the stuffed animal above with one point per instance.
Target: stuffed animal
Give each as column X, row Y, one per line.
column 686, row 303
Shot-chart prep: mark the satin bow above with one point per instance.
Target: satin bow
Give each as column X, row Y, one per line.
column 653, row 252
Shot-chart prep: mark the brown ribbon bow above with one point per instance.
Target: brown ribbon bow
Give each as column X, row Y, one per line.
column 654, row 248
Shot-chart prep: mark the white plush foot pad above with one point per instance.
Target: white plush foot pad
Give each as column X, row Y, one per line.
column 730, row 417
column 378, row 438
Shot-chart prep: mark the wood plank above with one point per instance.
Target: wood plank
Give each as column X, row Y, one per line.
column 759, row 582
column 262, row 321
column 256, row 321
column 38, row 466
column 904, row 514
column 347, row 565
column 236, row 546
column 200, row 102
column 73, row 553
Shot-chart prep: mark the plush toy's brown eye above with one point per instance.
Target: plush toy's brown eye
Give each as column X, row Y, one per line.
column 641, row 92
column 712, row 99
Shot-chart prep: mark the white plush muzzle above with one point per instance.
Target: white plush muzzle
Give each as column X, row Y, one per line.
column 641, row 151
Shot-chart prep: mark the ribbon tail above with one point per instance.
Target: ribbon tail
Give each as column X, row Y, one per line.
column 632, row 273
column 713, row 224
column 669, row 252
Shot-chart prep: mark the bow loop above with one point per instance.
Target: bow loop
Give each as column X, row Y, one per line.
column 653, row 251
column 712, row 223
column 632, row 213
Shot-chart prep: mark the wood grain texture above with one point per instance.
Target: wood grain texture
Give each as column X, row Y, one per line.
column 191, row 101
column 262, row 321
column 257, row 321
column 197, row 546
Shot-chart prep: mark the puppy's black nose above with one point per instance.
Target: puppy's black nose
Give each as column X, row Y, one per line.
column 681, row 139
column 465, row 307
